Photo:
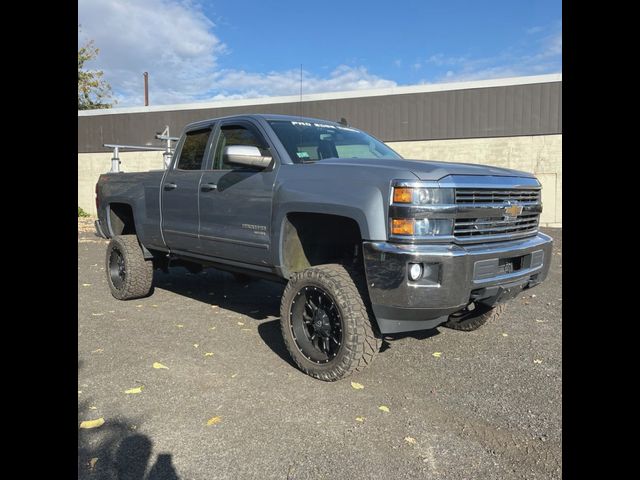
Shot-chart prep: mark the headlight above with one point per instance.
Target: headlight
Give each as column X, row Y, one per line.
column 422, row 196
column 422, row 227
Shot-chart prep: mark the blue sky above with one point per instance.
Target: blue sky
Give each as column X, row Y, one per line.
column 220, row 49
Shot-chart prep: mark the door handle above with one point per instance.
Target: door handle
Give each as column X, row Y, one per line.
column 207, row 187
column 170, row 186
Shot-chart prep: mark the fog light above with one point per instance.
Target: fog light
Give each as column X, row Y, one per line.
column 415, row 271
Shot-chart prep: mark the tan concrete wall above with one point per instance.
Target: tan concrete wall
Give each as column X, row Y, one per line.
column 541, row 155
column 92, row 165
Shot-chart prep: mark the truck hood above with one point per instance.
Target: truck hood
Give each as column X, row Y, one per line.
column 428, row 169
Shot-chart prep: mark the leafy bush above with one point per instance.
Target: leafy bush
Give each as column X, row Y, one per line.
column 82, row 213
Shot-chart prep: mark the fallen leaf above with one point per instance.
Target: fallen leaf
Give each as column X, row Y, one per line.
column 154, row 305
column 180, row 325
column 79, row 391
column 437, row 354
column 134, row 390
column 93, row 407
column 384, row 408
column 214, row 306
column 240, row 323
column 159, row 365
column 410, row 440
column 541, row 321
column 98, row 350
column 214, row 420
column 92, row 463
column 533, row 296
column 212, row 328
column 505, row 334
column 97, row 314
column 92, row 423
column 537, row 361
column 195, row 345
column 359, row 419
column 234, row 375
column 208, row 354
column 86, row 284
column 139, row 306
column 357, row 386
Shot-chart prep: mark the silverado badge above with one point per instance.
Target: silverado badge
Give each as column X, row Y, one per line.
column 512, row 211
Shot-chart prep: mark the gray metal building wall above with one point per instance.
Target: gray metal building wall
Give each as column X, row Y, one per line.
column 502, row 111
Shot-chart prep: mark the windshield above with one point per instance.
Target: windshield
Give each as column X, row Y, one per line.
column 311, row 141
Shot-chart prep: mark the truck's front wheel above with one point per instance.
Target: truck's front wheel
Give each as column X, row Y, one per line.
column 128, row 273
column 325, row 323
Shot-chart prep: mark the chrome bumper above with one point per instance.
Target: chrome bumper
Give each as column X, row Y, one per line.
column 459, row 274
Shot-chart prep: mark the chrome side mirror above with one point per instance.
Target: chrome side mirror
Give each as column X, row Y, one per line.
column 246, row 156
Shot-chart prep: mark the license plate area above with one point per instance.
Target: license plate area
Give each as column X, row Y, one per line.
column 513, row 264
column 495, row 267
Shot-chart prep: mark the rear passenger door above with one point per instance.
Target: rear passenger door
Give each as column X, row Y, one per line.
column 180, row 189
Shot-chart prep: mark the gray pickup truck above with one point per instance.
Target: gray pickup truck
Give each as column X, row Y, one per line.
column 369, row 243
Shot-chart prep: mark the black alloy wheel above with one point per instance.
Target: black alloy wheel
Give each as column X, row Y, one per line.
column 316, row 324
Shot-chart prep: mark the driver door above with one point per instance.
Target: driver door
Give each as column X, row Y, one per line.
column 235, row 201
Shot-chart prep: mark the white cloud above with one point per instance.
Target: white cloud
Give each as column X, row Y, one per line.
column 546, row 58
column 171, row 40
column 241, row 84
column 175, row 42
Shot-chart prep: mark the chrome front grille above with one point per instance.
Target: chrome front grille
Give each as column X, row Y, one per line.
column 485, row 225
column 478, row 195
column 470, row 227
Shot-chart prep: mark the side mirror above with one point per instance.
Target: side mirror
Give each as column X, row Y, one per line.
column 246, row 156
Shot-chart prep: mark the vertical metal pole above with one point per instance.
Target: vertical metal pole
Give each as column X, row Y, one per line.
column 115, row 160
column 146, row 89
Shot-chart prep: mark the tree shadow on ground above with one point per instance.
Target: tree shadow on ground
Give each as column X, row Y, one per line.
column 258, row 299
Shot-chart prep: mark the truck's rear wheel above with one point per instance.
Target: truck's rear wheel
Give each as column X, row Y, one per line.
column 325, row 323
column 128, row 273
column 474, row 316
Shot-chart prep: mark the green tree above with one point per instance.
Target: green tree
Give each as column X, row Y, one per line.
column 93, row 91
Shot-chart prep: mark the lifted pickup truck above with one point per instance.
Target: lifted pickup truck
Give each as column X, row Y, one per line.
column 369, row 243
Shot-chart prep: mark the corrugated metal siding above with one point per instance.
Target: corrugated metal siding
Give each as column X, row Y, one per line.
column 532, row 109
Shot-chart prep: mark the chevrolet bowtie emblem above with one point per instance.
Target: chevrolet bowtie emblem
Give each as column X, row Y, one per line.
column 512, row 211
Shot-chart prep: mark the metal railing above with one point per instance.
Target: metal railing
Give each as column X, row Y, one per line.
column 166, row 156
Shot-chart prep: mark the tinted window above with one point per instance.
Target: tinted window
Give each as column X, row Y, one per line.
column 310, row 141
column 193, row 149
column 237, row 135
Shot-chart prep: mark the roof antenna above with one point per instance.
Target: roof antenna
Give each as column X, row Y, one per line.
column 301, row 91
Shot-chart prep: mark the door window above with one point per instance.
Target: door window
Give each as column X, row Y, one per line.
column 237, row 135
column 192, row 153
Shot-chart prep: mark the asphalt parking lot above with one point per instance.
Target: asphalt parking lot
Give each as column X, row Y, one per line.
column 230, row 404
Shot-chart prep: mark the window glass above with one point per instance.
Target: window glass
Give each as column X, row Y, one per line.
column 310, row 141
column 192, row 153
column 237, row 135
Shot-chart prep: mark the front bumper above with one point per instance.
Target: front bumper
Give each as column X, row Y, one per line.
column 489, row 273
